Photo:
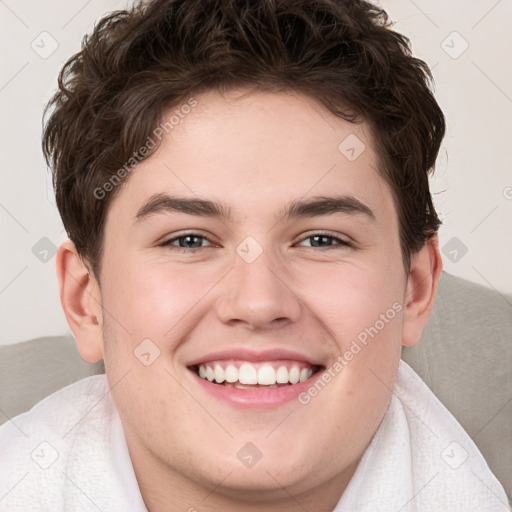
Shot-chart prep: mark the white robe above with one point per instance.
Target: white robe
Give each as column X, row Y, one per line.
column 69, row 453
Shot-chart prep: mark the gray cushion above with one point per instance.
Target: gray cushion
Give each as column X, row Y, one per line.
column 34, row 369
column 464, row 356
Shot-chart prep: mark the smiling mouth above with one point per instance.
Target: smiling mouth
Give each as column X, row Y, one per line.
column 251, row 375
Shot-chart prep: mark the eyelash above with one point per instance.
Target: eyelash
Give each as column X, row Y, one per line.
column 168, row 243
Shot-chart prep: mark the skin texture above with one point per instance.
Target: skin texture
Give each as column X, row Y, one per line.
column 255, row 152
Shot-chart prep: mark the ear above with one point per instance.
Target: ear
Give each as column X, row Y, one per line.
column 422, row 281
column 80, row 297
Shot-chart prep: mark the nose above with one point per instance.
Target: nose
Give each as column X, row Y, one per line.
column 258, row 296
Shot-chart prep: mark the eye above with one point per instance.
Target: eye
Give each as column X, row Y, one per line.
column 325, row 240
column 187, row 242
column 191, row 242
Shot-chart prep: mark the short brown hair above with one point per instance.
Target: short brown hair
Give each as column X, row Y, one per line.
column 138, row 63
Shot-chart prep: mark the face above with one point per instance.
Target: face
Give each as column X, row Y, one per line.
column 255, row 246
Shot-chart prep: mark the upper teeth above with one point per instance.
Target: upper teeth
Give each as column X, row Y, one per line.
column 248, row 373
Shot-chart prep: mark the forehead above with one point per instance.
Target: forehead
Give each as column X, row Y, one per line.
column 254, row 151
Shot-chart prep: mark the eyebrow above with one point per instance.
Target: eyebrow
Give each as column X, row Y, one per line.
column 314, row 207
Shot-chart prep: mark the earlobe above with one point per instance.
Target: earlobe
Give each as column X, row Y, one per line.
column 422, row 282
column 81, row 301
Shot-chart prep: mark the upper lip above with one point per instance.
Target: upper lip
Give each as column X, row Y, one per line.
column 245, row 354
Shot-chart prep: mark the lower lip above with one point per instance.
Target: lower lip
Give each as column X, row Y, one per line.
column 256, row 398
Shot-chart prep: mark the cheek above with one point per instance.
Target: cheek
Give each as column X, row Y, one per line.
column 350, row 298
column 152, row 301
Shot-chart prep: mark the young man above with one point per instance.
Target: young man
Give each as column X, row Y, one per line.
column 252, row 240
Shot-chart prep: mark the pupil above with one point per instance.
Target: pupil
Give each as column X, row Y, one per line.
column 320, row 239
column 189, row 241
